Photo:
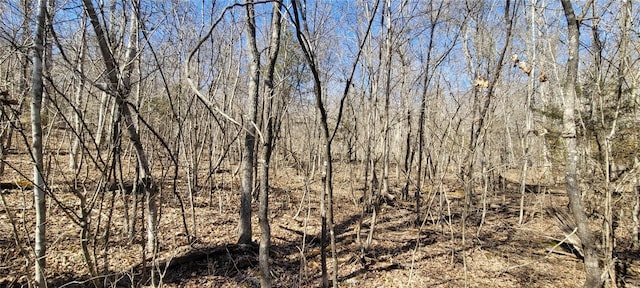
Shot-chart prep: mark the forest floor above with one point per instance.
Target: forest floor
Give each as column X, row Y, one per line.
column 495, row 252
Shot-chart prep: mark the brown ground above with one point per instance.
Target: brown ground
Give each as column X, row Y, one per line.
column 499, row 254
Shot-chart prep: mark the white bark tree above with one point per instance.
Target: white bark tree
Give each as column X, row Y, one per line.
column 39, row 185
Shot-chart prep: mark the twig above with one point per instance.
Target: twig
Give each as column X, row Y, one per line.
column 83, row 282
column 233, row 261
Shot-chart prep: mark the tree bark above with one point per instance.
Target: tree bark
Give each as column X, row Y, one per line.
column 36, row 132
column 591, row 264
column 244, row 225
column 387, row 91
column 267, row 146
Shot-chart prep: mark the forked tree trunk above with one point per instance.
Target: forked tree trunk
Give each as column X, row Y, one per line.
column 302, row 34
column 591, row 264
column 326, row 194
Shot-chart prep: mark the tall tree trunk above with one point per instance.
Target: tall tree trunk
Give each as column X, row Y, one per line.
column 267, row 146
column 526, row 140
column 387, row 91
column 102, row 116
column 635, row 214
column 78, row 115
column 36, row 132
column 244, row 225
column 119, row 87
column 609, row 225
column 428, row 75
column 326, row 217
column 591, row 265
column 302, row 34
column 483, row 111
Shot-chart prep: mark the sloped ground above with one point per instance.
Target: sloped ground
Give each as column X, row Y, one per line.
column 498, row 253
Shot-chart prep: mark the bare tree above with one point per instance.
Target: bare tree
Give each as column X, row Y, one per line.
column 119, row 87
column 486, row 87
column 267, row 144
column 528, row 133
column 326, row 207
column 80, row 89
column 304, row 37
column 387, row 99
column 36, row 149
column 244, row 225
column 591, row 261
column 256, row 121
column 426, row 81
